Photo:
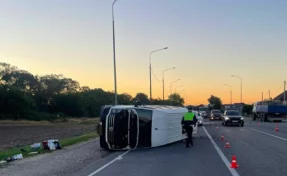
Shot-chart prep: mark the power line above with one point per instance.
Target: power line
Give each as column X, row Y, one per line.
column 279, row 88
column 155, row 76
column 213, row 93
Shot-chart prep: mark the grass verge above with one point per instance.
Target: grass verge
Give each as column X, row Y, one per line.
column 64, row 143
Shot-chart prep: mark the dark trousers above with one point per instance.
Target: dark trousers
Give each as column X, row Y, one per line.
column 189, row 131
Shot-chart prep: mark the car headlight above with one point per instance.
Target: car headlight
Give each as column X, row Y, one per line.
column 242, row 118
column 226, row 118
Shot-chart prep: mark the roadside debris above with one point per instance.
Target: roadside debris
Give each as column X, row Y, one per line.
column 2, row 162
column 51, row 145
column 15, row 157
column 32, row 153
column 35, row 146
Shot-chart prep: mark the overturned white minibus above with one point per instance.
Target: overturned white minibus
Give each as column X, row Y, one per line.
column 129, row 127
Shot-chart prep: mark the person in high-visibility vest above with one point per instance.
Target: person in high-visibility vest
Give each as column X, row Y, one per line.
column 189, row 119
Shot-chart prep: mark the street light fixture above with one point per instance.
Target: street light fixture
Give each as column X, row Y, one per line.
column 230, row 92
column 181, row 90
column 240, row 85
column 172, row 84
column 163, row 80
column 114, row 53
column 150, row 93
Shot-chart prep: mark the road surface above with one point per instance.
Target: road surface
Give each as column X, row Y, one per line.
column 259, row 151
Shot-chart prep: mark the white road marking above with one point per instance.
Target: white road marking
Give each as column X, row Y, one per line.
column 220, row 153
column 109, row 163
column 284, row 139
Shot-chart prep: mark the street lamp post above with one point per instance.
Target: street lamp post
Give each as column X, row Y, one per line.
column 163, row 80
column 172, row 84
column 114, row 52
column 240, row 86
column 230, row 92
column 150, row 93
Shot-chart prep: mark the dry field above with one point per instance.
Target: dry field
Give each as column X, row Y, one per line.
column 19, row 133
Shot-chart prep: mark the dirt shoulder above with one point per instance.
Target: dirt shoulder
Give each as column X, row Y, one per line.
column 63, row 162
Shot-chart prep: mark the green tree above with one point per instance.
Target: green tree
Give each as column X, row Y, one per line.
column 125, row 99
column 214, row 102
column 142, row 97
column 175, row 99
column 13, row 102
column 247, row 109
column 27, row 96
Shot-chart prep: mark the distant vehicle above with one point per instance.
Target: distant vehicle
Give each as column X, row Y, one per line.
column 125, row 127
column 269, row 111
column 199, row 118
column 232, row 117
column 204, row 112
column 215, row 115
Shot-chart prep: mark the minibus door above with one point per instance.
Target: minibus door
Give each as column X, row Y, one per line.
column 133, row 129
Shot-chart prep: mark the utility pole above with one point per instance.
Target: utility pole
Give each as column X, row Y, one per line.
column 262, row 96
column 240, row 86
column 230, row 92
column 114, row 54
column 163, row 80
column 230, row 96
column 284, row 92
column 269, row 94
column 163, row 87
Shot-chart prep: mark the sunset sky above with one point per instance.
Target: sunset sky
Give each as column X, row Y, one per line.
column 207, row 40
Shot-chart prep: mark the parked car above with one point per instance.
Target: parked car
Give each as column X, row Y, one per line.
column 215, row 115
column 232, row 117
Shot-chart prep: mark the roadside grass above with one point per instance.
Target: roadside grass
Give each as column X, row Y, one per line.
column 77, row 139
column 64, row 143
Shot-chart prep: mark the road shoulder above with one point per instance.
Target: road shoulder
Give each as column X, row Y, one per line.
column 62, row 162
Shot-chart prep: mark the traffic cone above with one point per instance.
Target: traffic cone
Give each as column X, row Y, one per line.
column 216, row 128
column 222, row 137
column 227, row 145
column 233, row 162
column 276, row 128
column 258, row 124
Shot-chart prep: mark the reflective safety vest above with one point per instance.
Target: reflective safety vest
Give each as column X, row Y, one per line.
column 188, row 116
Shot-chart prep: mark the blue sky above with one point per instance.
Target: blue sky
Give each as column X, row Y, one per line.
column 208, row 40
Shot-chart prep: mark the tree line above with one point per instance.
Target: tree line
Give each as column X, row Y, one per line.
column 216, row 103
column 33, row 97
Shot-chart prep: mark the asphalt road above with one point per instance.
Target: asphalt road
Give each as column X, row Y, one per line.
column 259, row 151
